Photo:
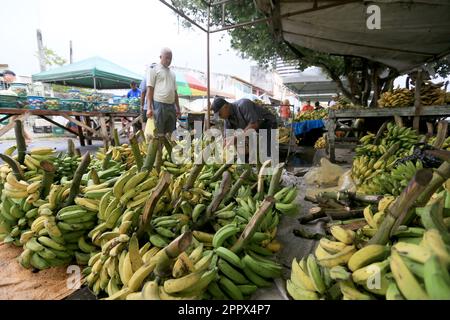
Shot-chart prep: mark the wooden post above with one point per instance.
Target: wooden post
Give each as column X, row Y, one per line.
column 88, row 133
column 80, row 132
column 331, row 132
column 111, row 127
column 104, row 131
column 417, row 102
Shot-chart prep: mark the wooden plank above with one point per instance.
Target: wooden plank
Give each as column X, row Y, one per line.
column 80, row 131
column 57, row 124
column 111, row 127
column 11, row 124
column 104, row 132
column 78, row 122
column 36, row 112
column 87, row 120
column 129, row 124
column 417, row 100
column 443, row 110
column 5, row 117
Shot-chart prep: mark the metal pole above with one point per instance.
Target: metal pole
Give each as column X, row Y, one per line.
column 95, row 84
column 71, row 53
column 208, row 75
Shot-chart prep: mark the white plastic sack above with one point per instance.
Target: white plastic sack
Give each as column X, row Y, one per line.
column 325, row 176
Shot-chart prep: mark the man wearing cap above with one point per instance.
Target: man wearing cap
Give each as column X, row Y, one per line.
column 7, row 77
column 245, row 114
column 162, row 96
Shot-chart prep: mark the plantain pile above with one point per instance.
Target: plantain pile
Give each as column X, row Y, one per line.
column 397, row 98
column 430, row 95
column 344, row 103
column 146, row 228
column 321, row 143
column 312, row 115
column 284, row 135
column 413, row 264
column 376, row 169
column 210, row 268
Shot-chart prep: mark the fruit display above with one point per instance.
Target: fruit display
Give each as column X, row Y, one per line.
column 344, row 103
column 376, row 169
column 321, row 143
column 430, row 94
column 312, row 115
column 396, row 99
column 145, row 227
column 52, row 103
column 412, row 264
column 284, row 135
column 36, row 102
column 102, row 107
column 73, row 105
column 134, row 104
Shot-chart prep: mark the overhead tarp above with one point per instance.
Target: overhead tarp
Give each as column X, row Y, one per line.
column 412, row 31
column 106, row 74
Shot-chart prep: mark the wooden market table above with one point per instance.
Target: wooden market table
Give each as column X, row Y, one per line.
column 103, row 131
column 336, row 116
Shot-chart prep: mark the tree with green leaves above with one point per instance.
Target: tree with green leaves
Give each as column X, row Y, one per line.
column 51, row 58
column 355, row 77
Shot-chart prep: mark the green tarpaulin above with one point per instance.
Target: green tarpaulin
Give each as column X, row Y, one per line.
column 106, row 75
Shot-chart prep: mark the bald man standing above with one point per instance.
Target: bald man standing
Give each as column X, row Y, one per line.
column 162, row 96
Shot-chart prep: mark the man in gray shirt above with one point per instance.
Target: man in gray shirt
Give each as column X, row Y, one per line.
column 245, row 114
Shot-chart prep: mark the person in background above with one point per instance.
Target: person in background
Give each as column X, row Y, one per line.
column 162, row 96
column 307, row 106
column 333, row 100
column 317, row 106
column 285, row 110
column 143, row 88
column 7, row 77
column 134, row 92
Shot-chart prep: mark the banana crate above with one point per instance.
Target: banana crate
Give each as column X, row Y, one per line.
column 7, row 101
column 73, row 105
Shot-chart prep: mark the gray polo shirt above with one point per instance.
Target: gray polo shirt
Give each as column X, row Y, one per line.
column 245, row 111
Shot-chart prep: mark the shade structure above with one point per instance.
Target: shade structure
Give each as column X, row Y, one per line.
column 188, row 85
column 411, row 32
column 94, row 72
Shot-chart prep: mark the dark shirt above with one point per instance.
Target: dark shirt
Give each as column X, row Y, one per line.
column 244, row 112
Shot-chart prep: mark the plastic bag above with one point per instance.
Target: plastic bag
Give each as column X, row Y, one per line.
column 149, row 128
column 346, row 182
column 325, row 176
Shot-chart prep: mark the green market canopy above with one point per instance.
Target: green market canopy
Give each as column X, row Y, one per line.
column 96, row 72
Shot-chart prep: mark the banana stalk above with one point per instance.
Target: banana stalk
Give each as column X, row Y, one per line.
column 94, row 176
column 20, row 142
column 253, row 225
column 219, row 172
column 70, row 148
column 275, row 181
column 75, row 187
column 116, row 138
column 240, row 181
column 14, row 165
column 47, row 180
column 166, row 256
column 136, row 152
column 396, row 212
column 151, row 154
column 108, row 157
column 150, row 204
column 225, row 186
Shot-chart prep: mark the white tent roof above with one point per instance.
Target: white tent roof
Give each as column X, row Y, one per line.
column 412, row 31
